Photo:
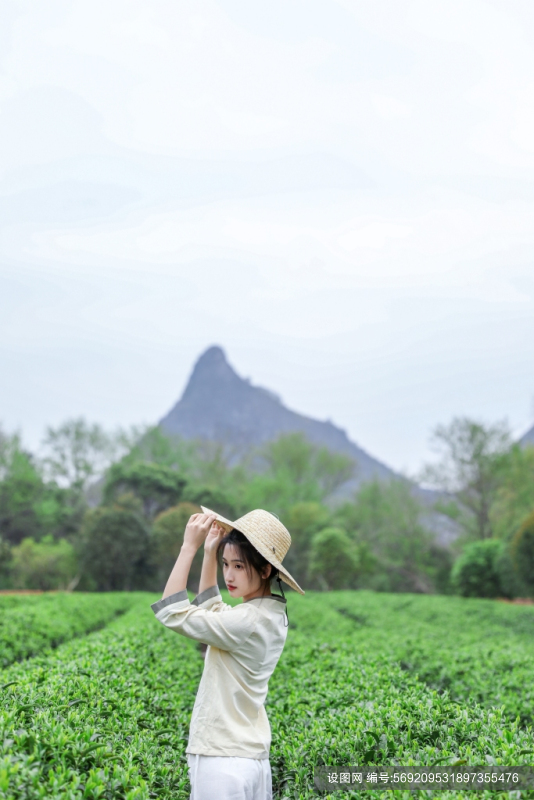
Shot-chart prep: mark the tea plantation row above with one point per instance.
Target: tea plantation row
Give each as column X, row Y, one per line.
column 31, row 624
column 107, row 716
column 477, row 649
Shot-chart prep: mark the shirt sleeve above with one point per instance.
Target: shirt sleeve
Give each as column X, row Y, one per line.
column 211, row 598
column 226, row 631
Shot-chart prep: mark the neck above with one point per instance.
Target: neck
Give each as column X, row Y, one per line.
column 265, row 593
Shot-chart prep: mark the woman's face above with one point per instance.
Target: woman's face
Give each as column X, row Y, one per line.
column 238, row 582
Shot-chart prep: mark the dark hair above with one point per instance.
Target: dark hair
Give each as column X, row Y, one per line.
column 248, row 553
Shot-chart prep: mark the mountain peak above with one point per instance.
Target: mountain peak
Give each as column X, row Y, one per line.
column 219, row 405
column 210, row 373
column 212, row 357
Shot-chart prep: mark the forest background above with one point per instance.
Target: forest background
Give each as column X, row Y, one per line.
column 106, row 511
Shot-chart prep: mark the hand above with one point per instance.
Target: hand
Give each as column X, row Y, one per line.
column 197, row 529
column 213, row 538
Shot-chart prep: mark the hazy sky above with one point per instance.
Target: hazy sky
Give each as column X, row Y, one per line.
column 339, row 194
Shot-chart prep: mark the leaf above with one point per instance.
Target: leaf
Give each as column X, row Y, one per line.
column 91, row 748
column 11, row 683
column 165, row 730
column 375, row 736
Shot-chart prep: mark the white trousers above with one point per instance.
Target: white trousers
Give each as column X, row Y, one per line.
column 229, row 778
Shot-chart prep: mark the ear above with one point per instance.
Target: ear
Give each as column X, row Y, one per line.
column 266, row 571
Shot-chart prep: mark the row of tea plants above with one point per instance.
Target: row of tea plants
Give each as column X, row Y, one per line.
column 107, row 715
column 31, row 624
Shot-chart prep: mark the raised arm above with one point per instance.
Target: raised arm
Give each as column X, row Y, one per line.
column 208, row 576
column 195, row 533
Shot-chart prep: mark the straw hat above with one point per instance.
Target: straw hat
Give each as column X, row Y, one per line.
column 267, row 534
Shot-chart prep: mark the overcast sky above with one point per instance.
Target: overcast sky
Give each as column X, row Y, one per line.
column 339, row 194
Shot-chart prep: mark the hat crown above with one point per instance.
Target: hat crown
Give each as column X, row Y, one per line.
column 267, row 532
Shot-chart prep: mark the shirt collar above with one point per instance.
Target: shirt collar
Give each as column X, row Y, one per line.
column 268, row 597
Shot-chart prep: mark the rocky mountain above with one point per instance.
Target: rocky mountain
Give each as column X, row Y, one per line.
column 219, row 405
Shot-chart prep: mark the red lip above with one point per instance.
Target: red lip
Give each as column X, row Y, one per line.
column 231, row 587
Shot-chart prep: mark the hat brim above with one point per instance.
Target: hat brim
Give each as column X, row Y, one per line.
column 228, row 525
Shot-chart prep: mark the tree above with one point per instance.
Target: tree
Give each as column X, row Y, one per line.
column 6, row 559
column 44, row 565
column 511, row 584
column 156, row 486
column 114, row 548
column 514, row 497
column 303, row 463
column 522, row 549
column 402, row 554
column 475, row 572
column 30, row 506
column 21, row 492
column 166, row 539
column 218, row 500
column 469, row 471
column 156, row 447
column 294, row 470
column 76, row 452
column 334, row 561
column 203, row 463
column 303, row 520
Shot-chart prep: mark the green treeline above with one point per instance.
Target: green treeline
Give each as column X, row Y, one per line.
column 102, row 511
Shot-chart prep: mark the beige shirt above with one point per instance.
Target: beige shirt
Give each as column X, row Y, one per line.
column 244, row 645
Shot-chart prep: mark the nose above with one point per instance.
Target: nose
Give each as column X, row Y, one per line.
column 228, row 576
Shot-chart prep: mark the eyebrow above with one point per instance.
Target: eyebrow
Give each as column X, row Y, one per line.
column 235, row 560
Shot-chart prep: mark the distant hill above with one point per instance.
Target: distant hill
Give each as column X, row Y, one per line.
column 218, row 405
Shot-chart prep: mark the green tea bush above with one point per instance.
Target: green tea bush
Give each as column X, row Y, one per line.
column 103, row 717
column 330, row 705
column 472, row 648
column 31, row 624
column 107, row 716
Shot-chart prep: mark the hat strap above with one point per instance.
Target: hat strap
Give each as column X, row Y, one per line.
column 283, row 595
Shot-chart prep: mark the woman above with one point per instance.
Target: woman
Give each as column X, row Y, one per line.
column 230, row 735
